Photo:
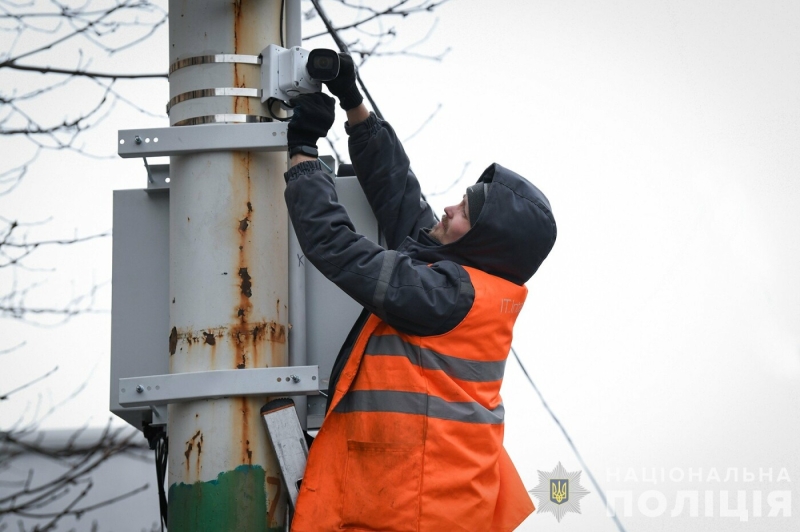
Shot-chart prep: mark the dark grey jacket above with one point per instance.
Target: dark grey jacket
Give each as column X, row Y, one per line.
column 415, row 284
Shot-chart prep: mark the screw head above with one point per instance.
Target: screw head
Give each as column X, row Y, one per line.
column 137, row 139
column 139, row 388
column 294, row 378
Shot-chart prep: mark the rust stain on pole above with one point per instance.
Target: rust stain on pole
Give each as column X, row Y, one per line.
column 244, row 438
column 187, row 454
column 274, row 504
column 173, row 339
column 209, row 338
column 199, row 463
column 189, row 447
column 242, row 164
column 240, row 104
column 247, row 285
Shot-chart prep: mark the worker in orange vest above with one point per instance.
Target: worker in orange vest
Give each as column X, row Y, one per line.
column 413, row 436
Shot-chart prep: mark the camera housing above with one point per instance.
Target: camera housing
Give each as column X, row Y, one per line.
column 323, row 64
column 289, row 72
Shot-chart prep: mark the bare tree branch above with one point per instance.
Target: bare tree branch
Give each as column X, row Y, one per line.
column 425, row 123
column 21, row 249
column 393, row 10
column 100, row 24
column 83, row 73
column 8, row 350
column 6, row 395
column 53, row 499
column 454, row 183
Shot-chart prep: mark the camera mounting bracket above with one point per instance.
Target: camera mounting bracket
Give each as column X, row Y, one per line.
column 284, row 74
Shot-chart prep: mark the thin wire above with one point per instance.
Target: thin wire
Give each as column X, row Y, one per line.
column 281, row 21
column 569, row 440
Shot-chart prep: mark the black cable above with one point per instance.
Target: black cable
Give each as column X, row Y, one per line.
column 271, row 101
column 569, row 440
column 157, row 438
column 281, row 21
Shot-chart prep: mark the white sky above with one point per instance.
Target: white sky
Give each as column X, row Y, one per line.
column 664, row 329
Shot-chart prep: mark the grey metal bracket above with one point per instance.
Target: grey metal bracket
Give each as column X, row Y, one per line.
column 160, row 413
column 155, row 142
column 181, row 387
column 157, row 177
column 158, row 174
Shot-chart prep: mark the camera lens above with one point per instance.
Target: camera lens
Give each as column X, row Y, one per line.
column 322, row 62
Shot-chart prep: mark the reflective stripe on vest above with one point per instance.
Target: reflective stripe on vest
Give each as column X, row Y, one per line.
column 457, row 368
column 418, row 403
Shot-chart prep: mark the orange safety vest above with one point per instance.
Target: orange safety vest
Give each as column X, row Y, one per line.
column 413, row 439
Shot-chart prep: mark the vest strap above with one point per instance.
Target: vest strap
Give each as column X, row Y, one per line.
column 385, row 276
column 454, row 367
column 418, row 403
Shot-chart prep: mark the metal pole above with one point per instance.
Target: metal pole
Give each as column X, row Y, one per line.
column 228, row 273
column 294, row 19
column 297, row 271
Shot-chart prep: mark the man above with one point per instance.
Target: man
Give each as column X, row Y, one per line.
column 413, row 436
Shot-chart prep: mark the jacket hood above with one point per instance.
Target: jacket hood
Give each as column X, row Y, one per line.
column 510, row 239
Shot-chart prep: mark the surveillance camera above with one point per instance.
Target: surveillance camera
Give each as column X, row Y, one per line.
column 286, row 73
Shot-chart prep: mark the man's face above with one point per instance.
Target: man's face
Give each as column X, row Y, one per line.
column 454, row 223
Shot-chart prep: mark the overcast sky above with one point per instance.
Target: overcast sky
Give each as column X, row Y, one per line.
column 664, row 328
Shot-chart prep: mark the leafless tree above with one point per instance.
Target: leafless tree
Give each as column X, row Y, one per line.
column 47, row 51
column 37, row 33
column 27, row 497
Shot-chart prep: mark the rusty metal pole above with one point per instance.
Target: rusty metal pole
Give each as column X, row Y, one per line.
column 228, row 270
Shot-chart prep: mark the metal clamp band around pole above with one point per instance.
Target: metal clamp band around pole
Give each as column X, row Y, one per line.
column 223, row 118
column 206, row 93
column 218, row 58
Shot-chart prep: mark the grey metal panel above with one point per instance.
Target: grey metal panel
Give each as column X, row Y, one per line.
column 139, row 292
column 330, row 312
column 140, row 288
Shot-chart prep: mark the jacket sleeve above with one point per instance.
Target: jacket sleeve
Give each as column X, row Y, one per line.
column 384, row 171
column 412, row 296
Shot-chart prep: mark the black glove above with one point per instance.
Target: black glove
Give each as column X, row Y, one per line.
column 313, row 116
column 344, row 85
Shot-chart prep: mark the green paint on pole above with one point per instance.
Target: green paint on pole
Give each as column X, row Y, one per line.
column 235, row 500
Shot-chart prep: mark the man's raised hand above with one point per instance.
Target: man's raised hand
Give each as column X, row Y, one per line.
column 344, row 85
column 313, row 116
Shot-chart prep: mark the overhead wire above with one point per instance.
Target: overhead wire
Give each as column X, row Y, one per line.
column 569, row 440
